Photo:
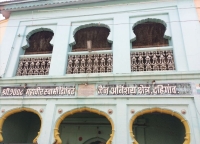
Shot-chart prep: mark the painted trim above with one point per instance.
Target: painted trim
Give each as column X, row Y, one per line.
column 17, row 110
column 165, row 111
column 77, row 110
column 33, row 32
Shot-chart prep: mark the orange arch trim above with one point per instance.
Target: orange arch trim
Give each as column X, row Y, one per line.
column 165, row 111
column 17, row 110
column 56, row 133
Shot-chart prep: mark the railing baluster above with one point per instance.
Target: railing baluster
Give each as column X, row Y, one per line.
column 33, row 65
column 90, row 63
column 155, row 60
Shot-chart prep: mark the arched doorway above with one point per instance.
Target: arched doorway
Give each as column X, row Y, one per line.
column 80, row 125
column 20, row 125
column 159, row 126
column 96, row 140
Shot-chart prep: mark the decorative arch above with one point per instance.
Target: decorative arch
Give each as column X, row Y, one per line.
column 77, row 110
column 90, row 25
column 165, row 111
column 98, row 33
column 42, row 30
column 94, row 139
column 18, row 110
column 150, row 33
column 150, row 20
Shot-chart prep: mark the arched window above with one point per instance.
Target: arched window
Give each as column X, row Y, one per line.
column 145, row 55
column 96, row 35
column 89, row 38
column 39, row 43
column 37, row 57
column 149, row 34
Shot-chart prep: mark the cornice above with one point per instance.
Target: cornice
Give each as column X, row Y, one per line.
column 37, row 4
column 20, row 5
column 98, row 78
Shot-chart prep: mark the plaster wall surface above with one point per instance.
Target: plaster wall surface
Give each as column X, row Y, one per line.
column 3, row 24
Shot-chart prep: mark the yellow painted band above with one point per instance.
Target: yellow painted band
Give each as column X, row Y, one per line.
column 17, row 110
column 61, row 118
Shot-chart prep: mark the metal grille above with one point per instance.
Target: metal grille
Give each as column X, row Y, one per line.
column 152, row 61
column 34, row 66
column 91, row 63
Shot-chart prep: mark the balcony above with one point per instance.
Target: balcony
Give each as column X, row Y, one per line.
column 34, row 64
column 90, row 62
column 152, row 59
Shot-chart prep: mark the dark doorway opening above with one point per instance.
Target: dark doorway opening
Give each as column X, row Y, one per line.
column 22, row 127
column 157, row 128
column 85, row 128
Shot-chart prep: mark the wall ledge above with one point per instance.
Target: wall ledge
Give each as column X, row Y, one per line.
column 103, row 77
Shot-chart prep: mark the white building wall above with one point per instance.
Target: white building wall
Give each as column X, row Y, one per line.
column 185, row 40
column 182, row 27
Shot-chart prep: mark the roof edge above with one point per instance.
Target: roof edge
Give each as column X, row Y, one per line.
column 21, row 5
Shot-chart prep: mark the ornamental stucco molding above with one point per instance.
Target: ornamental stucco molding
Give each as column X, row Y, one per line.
column 102, row 77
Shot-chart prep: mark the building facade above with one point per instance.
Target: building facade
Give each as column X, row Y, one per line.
column 100, row 72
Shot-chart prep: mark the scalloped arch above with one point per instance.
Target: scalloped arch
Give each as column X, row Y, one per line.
column 150, row 20
column 18, row 110
column 94, row 139
column 164, row 111
column 33, row 32
column 90, row 25
column 77, row 110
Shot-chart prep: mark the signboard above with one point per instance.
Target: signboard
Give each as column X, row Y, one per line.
column 101, row 90
column 145, row 89
column 38, row 91
column 86, row 90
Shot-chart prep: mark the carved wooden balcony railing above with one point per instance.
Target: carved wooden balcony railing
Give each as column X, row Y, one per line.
column 90, row 62
column 152, row 59
column 34, row 64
